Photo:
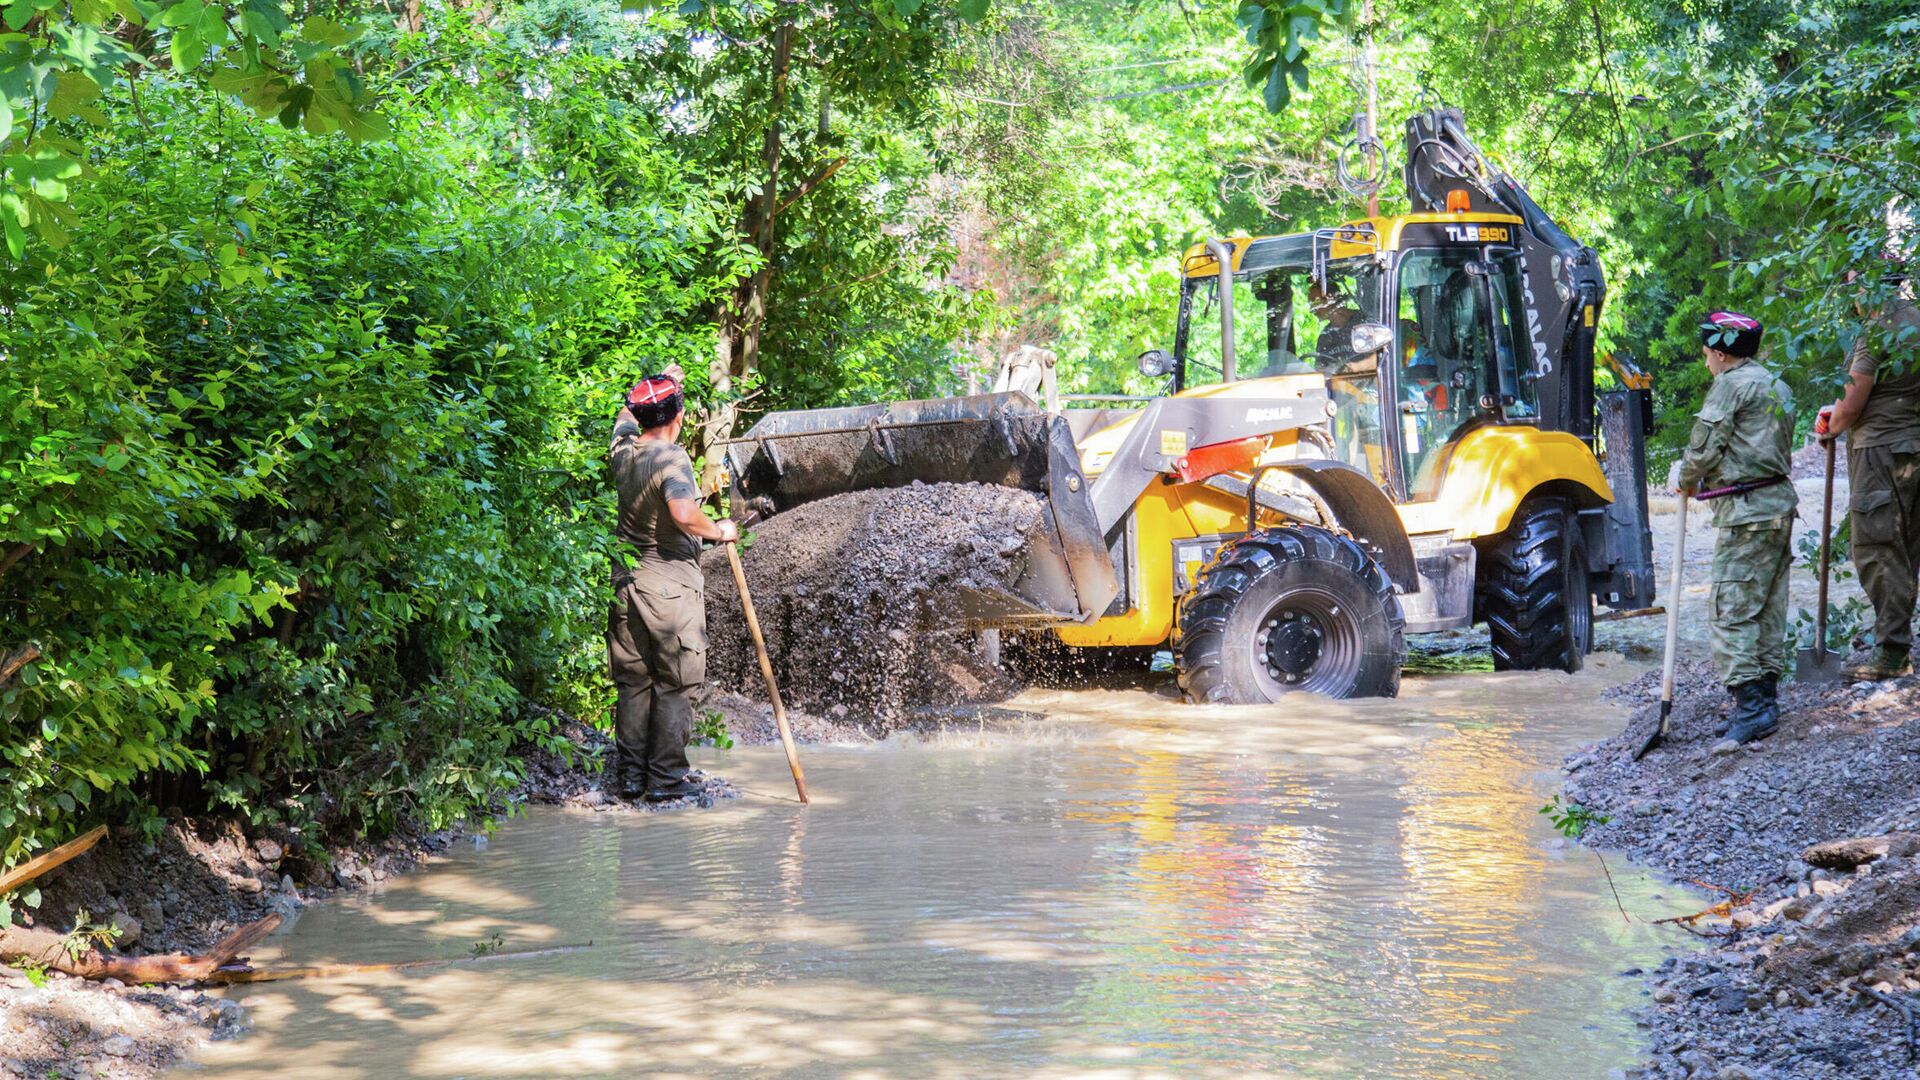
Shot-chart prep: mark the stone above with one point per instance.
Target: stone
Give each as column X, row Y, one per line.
column 1799, row 907
column 1664, row 995
column 118, row 1046
column 1724, row 748
column 1733, row 1072
column 269, row 850
column 127, row 927
column 1825, row 889
column 286, row 883
column 1772, row 911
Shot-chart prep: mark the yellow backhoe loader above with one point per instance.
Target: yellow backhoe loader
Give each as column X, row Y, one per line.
column 1380, row 428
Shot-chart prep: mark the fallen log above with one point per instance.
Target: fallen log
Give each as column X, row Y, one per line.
column 42, row 863
column 330, row 971
column 51, row 949
column 1853, row 851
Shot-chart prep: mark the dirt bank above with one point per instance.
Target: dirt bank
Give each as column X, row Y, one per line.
column 857, row 595
column 1812, row 946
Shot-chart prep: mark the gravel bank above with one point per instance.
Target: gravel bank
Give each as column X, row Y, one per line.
column 1814, row 944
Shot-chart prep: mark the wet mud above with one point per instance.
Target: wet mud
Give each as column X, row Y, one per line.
column 1079, row 882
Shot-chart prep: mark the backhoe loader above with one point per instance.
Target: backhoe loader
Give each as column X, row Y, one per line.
column 1382, row 428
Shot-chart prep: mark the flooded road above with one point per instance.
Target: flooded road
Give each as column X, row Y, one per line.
column 1117, row 886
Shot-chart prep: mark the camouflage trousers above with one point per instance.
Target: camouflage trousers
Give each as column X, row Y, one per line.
column 1884, row 506
column 1748, row 605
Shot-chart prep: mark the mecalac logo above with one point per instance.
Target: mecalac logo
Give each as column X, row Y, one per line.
column 1270, row 415
column 1541, row 365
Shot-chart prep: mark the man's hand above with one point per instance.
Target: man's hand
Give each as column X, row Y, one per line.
column 675, row 373
column 729, row 532
column 1823, row 424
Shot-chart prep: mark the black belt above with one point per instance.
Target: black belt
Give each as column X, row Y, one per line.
column 1741, row 487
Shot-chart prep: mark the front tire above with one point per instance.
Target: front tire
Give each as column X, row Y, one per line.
column 1536, row 591
column 1286, row 609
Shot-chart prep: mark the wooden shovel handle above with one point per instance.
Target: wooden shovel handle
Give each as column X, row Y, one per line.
column 1826, row 553
column 766, row 670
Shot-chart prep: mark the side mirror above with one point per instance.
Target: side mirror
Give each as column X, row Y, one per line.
column 1155, row 363
column 1369, row 338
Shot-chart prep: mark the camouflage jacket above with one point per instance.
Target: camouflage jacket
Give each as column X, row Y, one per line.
column 1744, row 431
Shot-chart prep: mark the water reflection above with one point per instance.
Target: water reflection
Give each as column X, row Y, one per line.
column 1126, row 887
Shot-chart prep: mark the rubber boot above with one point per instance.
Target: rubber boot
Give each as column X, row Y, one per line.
column 684, row 787
column 1757, row 713
column 1736, row 715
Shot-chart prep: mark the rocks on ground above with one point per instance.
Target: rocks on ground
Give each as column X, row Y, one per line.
column 1810, row 841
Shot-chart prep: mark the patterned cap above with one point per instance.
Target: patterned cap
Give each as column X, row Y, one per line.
column 1732, row 333
column 652, row 390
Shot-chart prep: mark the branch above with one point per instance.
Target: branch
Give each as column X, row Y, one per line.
column 806, row 186
column 35, row 867
column 16, row 660
column 14, row 556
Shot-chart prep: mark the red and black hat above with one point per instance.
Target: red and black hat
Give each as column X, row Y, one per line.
column 1732, row 333
column 654, row 400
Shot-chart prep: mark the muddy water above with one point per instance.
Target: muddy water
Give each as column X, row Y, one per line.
column 1113, row 884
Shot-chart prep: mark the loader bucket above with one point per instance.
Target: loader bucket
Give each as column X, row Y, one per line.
column 790, row 458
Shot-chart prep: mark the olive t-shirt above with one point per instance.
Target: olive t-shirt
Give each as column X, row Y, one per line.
column 1889, row 350
column 648, row 473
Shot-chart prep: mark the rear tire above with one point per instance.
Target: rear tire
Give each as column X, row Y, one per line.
column 1286, row 609
column 1536, row 591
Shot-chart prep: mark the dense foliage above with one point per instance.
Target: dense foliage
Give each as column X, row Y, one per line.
column 316, row 314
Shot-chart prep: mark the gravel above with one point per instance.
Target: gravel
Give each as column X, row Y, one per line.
column 1788, row 986
column 858, row 597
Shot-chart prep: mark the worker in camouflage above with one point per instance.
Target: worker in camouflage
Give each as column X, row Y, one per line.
column 1880, row 414
column 657, row 624
column 1743, row 439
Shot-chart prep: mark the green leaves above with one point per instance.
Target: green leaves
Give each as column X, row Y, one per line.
column 1278, row 31
column 58, row 74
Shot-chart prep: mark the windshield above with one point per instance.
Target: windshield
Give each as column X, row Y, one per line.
column 1284, row 322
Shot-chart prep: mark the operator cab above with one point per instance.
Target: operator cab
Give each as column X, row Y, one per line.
column 1436, row 328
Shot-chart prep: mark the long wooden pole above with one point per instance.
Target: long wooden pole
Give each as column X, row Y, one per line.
column 766, row 671
column 38, row 865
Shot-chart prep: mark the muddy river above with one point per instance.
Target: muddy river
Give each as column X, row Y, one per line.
column 1107, row 884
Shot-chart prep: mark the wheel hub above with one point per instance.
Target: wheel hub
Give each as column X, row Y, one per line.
column 1293, row 645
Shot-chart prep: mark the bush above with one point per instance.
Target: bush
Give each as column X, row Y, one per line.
column 302, row 459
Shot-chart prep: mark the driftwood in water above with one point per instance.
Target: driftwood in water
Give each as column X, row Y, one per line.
column 40, row 864
column 48, row 948
column 329, row 971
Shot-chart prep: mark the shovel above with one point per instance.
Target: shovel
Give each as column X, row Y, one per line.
column 1817, row 665
column 1673, row 630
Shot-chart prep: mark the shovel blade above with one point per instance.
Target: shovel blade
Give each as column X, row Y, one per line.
column 1814, row 666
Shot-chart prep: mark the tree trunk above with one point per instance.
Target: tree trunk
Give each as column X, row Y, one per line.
column 743, row 315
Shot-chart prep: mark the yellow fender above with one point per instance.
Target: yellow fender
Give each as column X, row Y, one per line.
column 1492, row 470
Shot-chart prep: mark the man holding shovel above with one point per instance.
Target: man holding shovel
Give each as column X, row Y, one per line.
column 657, row 625
column 1741, row 444
column 1880, row 414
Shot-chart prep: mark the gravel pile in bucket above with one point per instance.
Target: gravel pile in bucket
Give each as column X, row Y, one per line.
column 858, row 596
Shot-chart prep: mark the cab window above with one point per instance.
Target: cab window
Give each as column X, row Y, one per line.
column 1445, row 360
